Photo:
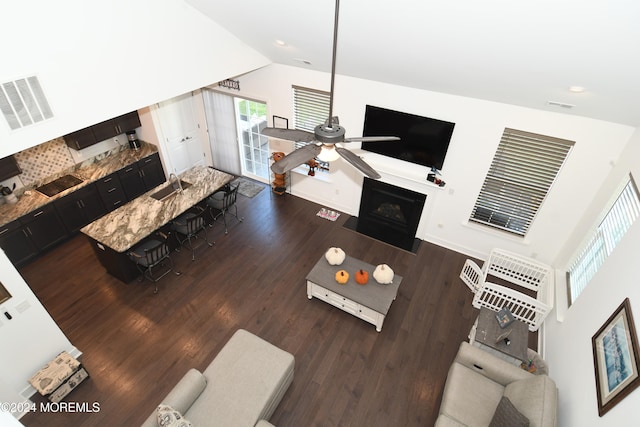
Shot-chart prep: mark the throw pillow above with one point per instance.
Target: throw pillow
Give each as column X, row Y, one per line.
column 507, row 415
column 169, row 417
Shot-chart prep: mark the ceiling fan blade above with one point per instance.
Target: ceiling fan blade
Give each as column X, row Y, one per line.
column 358, row 163
column 372, row 138
column 288, row 134
column 296, row 158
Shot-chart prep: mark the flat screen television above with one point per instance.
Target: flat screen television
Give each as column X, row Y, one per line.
column 423, row 140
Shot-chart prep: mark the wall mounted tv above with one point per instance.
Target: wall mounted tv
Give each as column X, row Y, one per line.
column 423, row 140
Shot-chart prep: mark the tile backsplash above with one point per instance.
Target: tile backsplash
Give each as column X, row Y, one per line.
column 54, row 158
column 43, row 160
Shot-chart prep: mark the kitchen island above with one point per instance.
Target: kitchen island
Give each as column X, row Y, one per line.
column 117, row 232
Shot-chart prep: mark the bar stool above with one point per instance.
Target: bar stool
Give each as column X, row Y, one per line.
column 152, row 253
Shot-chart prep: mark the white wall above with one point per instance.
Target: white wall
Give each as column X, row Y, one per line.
column 479, row 125
column 97, row 60
column 29, row 340
column 568, row 343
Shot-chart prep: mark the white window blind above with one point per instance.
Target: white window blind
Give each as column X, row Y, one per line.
column 310, row 108
column 617, row 221
column 522, row 171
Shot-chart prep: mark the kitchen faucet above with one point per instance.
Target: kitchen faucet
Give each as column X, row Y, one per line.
column 173, row 176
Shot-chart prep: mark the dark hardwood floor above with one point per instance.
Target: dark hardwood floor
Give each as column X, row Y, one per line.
column 137, row 345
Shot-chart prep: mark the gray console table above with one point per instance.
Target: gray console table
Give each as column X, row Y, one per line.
column 370, row 302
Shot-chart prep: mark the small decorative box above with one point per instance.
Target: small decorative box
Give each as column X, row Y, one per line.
column 504, row 317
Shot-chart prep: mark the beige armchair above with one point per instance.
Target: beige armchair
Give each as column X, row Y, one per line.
column 476, row 383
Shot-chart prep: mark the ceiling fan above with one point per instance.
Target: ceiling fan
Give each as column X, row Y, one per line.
column 327, row 137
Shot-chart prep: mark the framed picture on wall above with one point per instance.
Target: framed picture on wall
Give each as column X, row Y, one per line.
column 4, row 294
column 280, row 122
column 616, row 359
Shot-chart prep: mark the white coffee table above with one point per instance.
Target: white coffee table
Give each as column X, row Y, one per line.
column 370, row 302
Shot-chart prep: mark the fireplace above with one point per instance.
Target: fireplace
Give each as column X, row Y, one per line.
column 390, row 214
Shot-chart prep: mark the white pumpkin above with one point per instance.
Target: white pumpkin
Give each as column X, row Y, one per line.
column 335, row 256
column 383, row 274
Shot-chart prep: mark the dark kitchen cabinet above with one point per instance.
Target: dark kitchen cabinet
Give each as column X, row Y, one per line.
column 117, row 126
column 44, row 227
column 15, row 241
column 80, row 208
column 30, row 234
column 152, row 171
column 103, row 131
column 9, row 168
column 111, row 192
column 142, row 176
column 131, row 180
column 80, row 139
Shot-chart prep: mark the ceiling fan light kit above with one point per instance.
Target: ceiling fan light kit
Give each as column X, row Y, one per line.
column 328, row 154
column 326, row 136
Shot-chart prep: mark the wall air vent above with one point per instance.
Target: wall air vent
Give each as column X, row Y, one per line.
column 23, row 103
column 560, row 104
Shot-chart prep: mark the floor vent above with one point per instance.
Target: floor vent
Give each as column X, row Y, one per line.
column 23, row 103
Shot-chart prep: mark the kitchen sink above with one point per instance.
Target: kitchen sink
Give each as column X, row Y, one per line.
column 59, row 185
column 169, row 190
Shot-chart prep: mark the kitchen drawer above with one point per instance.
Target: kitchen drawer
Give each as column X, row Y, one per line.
column 111, row 192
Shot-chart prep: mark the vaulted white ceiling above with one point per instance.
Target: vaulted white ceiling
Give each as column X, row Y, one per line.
column 525, row 53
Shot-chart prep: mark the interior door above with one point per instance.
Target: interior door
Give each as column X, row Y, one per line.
column 180, row 127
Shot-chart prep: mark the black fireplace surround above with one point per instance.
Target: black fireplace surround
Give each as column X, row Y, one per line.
column 390, row 214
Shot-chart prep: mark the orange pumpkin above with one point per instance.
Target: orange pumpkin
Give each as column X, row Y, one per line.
column 342, row 277
column 362, row 277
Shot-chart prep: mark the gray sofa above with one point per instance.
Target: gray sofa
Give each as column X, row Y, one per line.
column 241, row 387
column 477, row 382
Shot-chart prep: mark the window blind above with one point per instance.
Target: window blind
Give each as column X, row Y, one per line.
column 617, row 221
column 310, row 108
column 523, row 169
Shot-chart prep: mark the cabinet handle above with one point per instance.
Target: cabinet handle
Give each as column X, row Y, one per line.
column 107, row 180
column 29, row 231
column 111, row 190
column 38, row 213
column 117, row 203
column 128, row 170
column 77, row 145
column 147, row 160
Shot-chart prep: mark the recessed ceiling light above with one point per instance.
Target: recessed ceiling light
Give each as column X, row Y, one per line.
column 576, row 89
column 280, row 43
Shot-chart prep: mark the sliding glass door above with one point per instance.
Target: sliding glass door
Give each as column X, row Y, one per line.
column 251, row 118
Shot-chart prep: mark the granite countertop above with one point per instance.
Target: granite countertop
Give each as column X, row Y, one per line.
column 31, row 200
column 127, row 225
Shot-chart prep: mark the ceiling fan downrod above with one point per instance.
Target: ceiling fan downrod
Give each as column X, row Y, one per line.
column 333, row 62
column 331, row 132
